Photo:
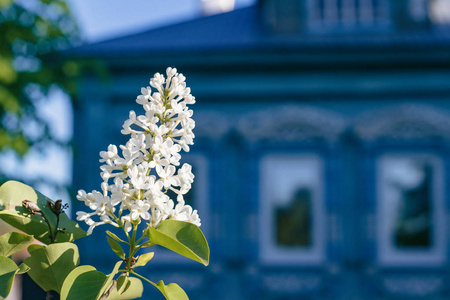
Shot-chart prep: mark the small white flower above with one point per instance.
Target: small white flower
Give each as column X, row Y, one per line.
column 82, row 216
column 146, row 94
column 140, row 210
column 127, row 223
column 136, row 143
column 110, row 155
column 167, row 177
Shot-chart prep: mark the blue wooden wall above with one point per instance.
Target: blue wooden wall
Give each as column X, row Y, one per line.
column 355, row 105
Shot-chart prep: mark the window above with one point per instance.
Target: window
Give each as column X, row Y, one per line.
column 291, row 219
column 439, row 11
column 410, row 211
column 348, row 14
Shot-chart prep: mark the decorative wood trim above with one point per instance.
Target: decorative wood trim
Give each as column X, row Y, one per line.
column 292, row 123
column 403, row 123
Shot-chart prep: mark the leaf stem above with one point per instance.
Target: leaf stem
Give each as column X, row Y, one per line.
column 56, row 228
column 140, row 239
column 49, row 295
column 132, row 250
column 142, row 245
column 52, row 238
column 142, row 277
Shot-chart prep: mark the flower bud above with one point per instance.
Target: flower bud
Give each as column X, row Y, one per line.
column 31, row 206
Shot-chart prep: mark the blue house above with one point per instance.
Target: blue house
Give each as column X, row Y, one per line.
column 322, row 146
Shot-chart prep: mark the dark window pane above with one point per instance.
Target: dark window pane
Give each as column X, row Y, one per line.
column 293, row 221
column 413, row 224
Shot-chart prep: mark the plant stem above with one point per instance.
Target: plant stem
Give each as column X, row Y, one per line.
column 140, row 239
column 142, row 277
column 56, row 228
column 140, row 246
column 118, row 221
column 106, row 294
column 132, row 246
column 52, row 239
column 49, row 295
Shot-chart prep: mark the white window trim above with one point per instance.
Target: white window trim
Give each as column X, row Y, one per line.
column 269, row 252
column 388, row 254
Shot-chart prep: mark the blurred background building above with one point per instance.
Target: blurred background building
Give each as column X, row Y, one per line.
column 322, row 145
column 321, row 148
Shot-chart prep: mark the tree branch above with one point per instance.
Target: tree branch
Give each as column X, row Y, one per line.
column 105, row 295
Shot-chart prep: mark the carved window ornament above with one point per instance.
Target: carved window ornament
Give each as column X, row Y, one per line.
column 291, row 123
column 292, row 213
column 212, row 125
column 410, row 209
column 408, row 122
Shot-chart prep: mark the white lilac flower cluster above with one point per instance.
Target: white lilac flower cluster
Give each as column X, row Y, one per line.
column 136, row 183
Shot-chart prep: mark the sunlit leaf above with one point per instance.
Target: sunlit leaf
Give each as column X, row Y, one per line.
column 183, row 238
column 133, row 290
column 23, row 268
column 147, row 244
column 172, row 291
column 5, row 3
column 115, row 246
column 12, row 242
column 144, row 259
column 123, row 282
column 115, row 237
column 8, row 271
column 83, row 283
column 110, row 278
column 86, row 283
column 51, row 264
column 7, row 72
column 8, row 101
column 33, row 247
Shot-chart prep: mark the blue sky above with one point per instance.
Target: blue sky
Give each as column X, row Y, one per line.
column 103, row 19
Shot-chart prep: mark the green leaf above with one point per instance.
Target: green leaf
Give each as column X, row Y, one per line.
column 172, row 291
column 8, row 270
column 12, row 193
column 86, row 283
column 123, row 283
column 144, row 259
column 33, row 247
column 110, row 278
column 7, row 72
column 12, row 242
column 183, row 238
column 51, row 264
column 147, row 244
column 83, row 283
column 115, row 237
column 115, row 246
column 5, row 3
column 133, row 290
column 23, row 268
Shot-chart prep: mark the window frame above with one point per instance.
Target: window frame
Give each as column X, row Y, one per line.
column 269, row 252
column 388, row 254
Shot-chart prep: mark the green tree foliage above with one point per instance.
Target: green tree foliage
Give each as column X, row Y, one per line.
column 30, row 32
